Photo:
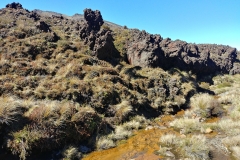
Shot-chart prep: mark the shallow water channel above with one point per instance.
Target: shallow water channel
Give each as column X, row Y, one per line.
column 141, row 146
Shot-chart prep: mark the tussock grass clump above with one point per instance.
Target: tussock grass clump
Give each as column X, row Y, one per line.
column 168, row 139
column 235, row 113
column 25, row 140
column 201, row 101
column 136, row 123
column 71, row 153
column 50, row 123
column 225, row 83
column 132, row 125
column 231, row 141
column 187, row 125
column 225, row 125
column 105, row 142
column 123, row 109
column 231, row 101
column 236, row 151
column 193, row 147
column 205, row 105
column 45, row 111
column 11, row 109
column 229, row 126
column 120, row 133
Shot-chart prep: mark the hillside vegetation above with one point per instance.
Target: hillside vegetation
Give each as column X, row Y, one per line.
column 68, row 87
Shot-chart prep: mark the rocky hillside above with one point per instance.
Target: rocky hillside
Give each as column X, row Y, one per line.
column 77, row 17
column 67, row 82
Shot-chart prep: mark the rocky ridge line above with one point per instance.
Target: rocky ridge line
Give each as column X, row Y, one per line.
column 147, row 50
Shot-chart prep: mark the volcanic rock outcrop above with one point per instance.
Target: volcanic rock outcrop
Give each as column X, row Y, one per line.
column 201, row 59
column 14, row 5
column 144, row 50
column 147, row 50
column 100, row 41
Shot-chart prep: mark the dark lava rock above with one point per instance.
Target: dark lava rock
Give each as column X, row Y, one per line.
column 52, row 37
column 147, row 50
column 41, row 25
column 34, row 15
column 201, row 59
column 104, row 47
column 14, row 5
column 100, row 41
column 94, row 19
column 92, row 24
column 84, row 149
column 144, row 50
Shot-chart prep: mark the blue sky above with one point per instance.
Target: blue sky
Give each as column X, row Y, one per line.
column 202, row 21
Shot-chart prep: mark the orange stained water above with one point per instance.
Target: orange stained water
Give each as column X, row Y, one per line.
column 212, row 120
column 180, row 113
column 139, row 147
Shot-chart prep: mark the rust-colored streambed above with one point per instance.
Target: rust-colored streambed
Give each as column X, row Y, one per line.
column 141, row 146
column 144, row 144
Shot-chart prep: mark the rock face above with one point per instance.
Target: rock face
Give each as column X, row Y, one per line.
column 104, row 47
column 144, row 50
column 147, row 50
column 201, row 59
column 100, row 41
column 14, row 5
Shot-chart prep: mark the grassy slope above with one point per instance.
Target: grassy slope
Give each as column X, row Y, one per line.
column 55, row 96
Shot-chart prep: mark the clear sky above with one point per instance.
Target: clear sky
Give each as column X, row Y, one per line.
column 195, row 21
